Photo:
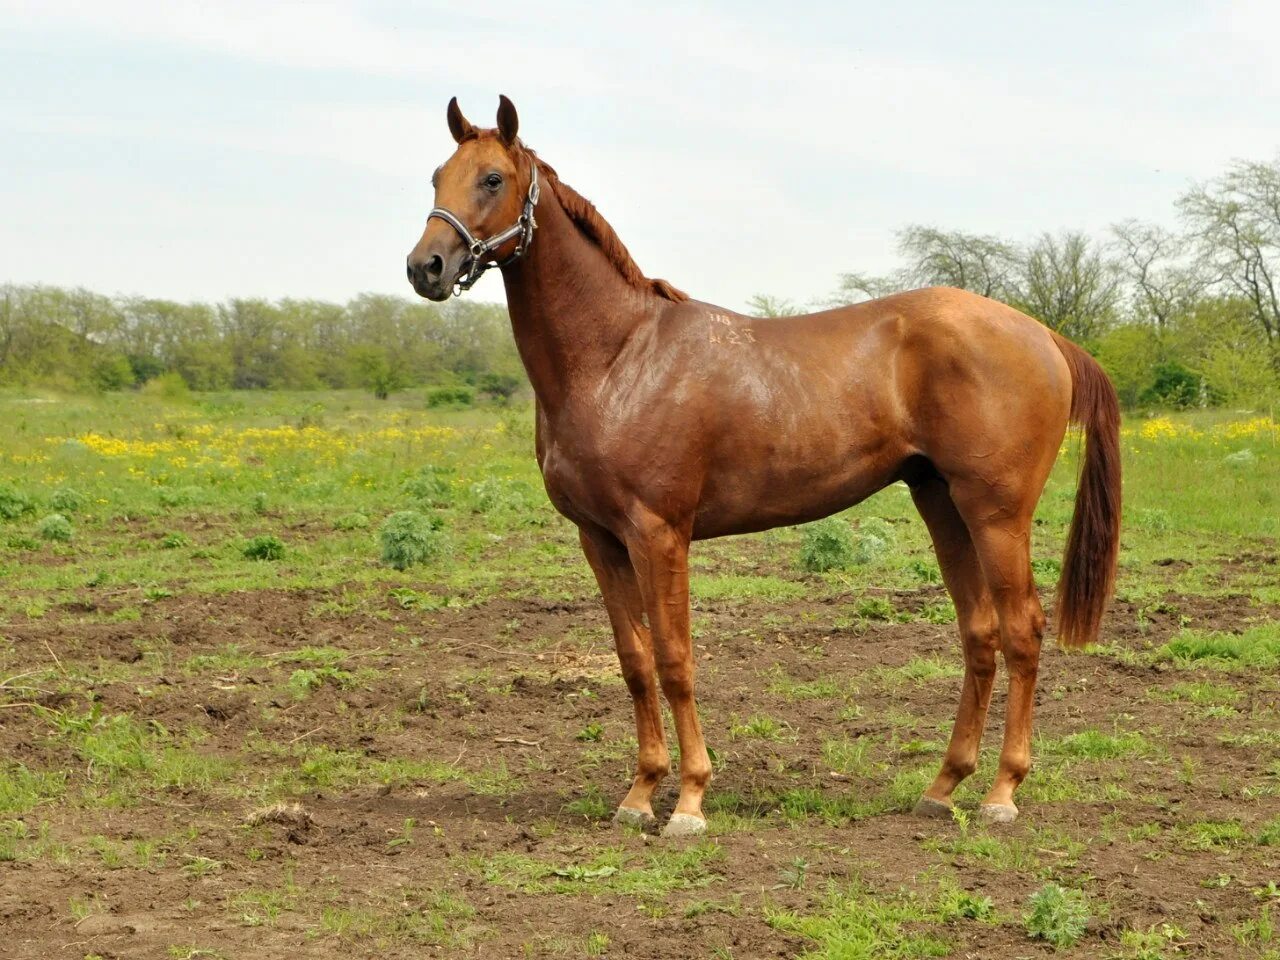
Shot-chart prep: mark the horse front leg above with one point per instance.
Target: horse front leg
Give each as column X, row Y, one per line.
column 660, row 555
column 623, row 601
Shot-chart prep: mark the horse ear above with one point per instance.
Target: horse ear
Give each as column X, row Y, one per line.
column 508, row 122
column 459, row 125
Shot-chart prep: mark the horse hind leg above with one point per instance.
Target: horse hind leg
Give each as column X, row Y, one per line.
column 1002, row 539
column 979, row 635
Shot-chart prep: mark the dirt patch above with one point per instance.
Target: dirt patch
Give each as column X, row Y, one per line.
column 444, row 755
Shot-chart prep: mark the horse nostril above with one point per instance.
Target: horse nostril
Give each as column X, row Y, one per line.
column 434, row 267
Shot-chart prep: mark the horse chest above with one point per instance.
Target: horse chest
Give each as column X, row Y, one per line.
column 578, row 482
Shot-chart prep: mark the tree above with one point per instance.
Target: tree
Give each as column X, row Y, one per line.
column 1236, row 220
column 251, row 331
column 866, row 286
column 1068, row 285
column 765, row 305
column 1163, row 285
column 377, row 371
column 938, row 258
column 1129, row 352
column 1220, row 338
column 979, row 263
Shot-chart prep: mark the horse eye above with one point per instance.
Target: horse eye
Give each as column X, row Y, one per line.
column 493, row 181
column 435, row 177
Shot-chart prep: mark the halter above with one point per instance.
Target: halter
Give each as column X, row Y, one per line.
column 522, row 228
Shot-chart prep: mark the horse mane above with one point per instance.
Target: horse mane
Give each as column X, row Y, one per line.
column 584, row 215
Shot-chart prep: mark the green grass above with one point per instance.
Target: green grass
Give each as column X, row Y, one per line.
column 744, row 587
column 1256, row 647
column 434, row 919
column 919, row 671
column 612, row 870
column 856, row 923
column 117, row 750
column 1095, row 745
column 760, row 727
column 851, row 757
column 784, row 685
column 22, row 789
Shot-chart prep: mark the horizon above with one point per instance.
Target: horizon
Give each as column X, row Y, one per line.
column 197, row 154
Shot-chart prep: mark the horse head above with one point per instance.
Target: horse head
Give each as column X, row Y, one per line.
column 485, row 195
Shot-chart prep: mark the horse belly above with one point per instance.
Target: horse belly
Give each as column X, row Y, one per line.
column 781, row 487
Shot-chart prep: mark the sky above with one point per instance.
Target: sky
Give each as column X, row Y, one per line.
column 201, row 151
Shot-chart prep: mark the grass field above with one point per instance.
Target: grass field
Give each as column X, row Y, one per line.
column 229, row 728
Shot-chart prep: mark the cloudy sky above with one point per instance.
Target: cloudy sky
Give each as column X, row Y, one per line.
column 216, row 149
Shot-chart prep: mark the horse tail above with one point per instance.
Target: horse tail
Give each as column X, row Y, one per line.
column 1089, row 561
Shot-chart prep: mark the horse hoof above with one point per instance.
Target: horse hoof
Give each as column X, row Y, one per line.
column 999, row 812
column 631, row 817
column 935, row 809
column 684, row 825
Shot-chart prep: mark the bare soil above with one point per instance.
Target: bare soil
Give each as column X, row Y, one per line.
column 511, row 686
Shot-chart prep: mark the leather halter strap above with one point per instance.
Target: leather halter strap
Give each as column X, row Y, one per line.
column 480, row 249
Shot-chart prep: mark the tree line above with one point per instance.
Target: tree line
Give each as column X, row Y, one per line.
column 1180, row 318
column 76, row 338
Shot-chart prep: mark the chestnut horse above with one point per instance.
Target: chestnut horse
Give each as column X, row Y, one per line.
column 662, row 420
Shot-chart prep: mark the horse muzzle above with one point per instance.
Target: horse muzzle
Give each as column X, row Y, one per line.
column 433, row 276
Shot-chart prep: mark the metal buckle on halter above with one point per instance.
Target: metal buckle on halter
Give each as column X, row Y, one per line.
column 522, row 228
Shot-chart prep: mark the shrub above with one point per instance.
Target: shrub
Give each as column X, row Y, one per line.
column 410, row 538
column 180, row 496
column 263, row 547
column 1057, row 915
column 1129, row 353
column 1177, row 386
column 826, row 545
column 112, row 372
column 351, row 521
column 496, row 494
column 450, row 397
column 430, row 485
column 55, row 527
column 172, row 541
column 876, row 608
column 14, row 503
column 874, row 539
column 167, row 386
column 499, row 387
column 925, row 571
column 66, row 500
column 970, row 906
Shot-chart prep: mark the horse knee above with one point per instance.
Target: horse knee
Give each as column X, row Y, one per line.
column 1021, row 638
column 675, row 674
column 696, row 772
column 1039, row 622
column 980, row 640
column 637, row 672
column 1022, row 657
column 677, row 684
column 652, row 765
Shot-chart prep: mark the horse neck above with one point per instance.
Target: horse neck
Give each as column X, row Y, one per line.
column 571, row 310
